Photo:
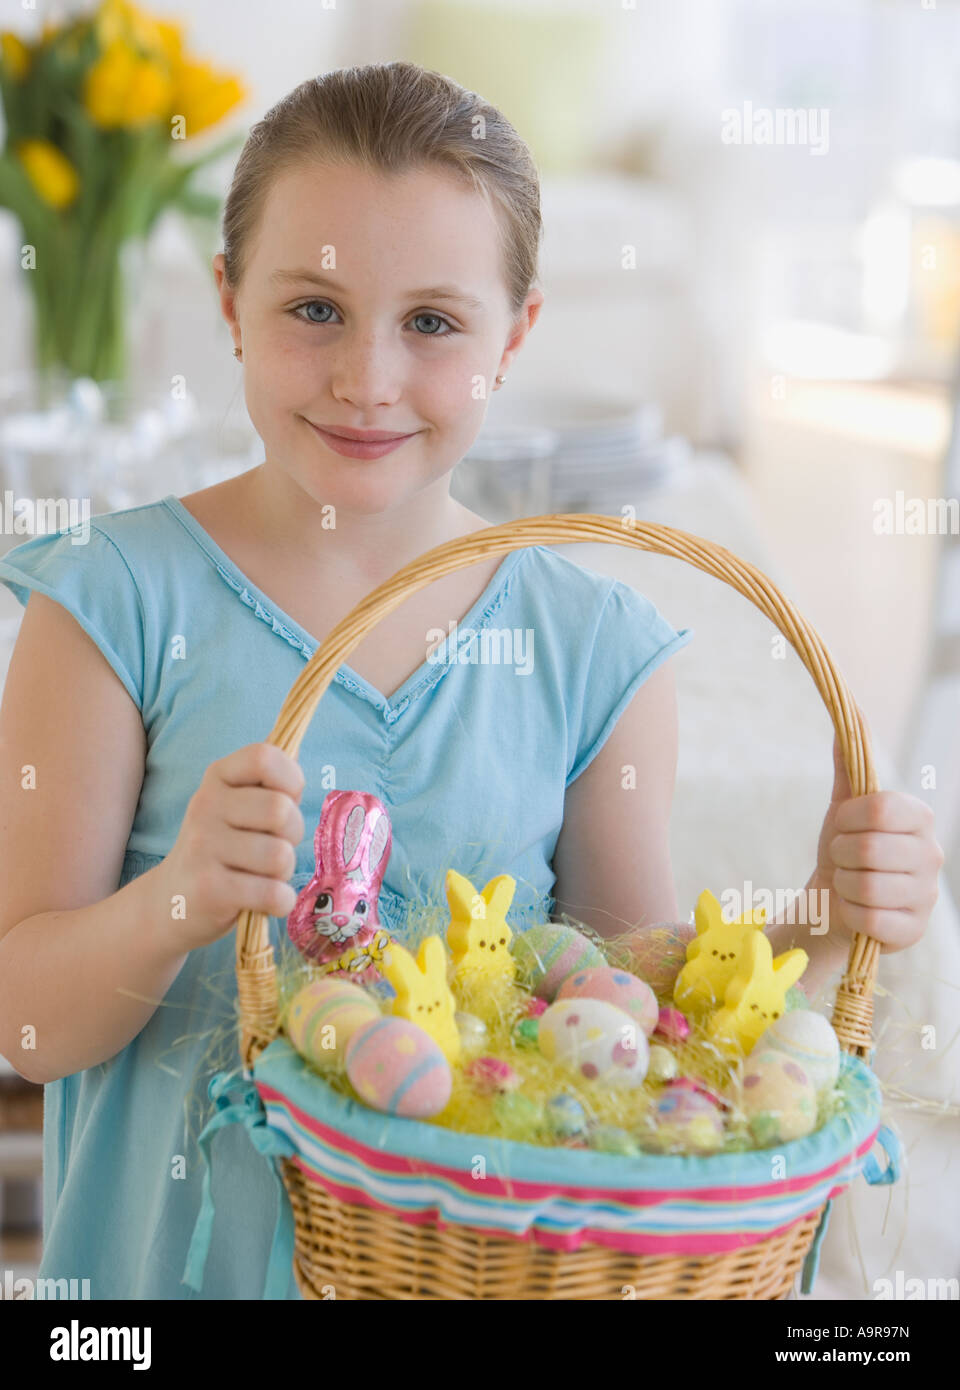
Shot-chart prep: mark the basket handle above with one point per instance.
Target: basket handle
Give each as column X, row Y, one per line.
column 257, row 986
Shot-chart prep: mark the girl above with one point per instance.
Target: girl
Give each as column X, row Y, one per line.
column 380, row 253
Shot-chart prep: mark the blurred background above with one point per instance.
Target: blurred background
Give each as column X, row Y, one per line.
column 751, row 265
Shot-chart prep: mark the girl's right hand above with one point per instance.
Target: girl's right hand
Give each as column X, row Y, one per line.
column 237, row 845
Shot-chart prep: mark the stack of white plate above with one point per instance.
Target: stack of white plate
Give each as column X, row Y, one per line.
column 564, row 454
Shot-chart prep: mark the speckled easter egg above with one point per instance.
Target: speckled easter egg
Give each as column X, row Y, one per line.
column 663, row 1065
column 685, row 1120
column 611, row 1139
column 779, row 1098
column 595, row 1039
column 615, row 987
column 657, row 953
column 324, row 1015
column 396, row 1067
column 549, row 952
column 808, row 1038
column 565, row 1117
column 521, row 1117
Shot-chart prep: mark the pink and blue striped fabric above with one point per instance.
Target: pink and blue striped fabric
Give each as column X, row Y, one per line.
column 651, row 1205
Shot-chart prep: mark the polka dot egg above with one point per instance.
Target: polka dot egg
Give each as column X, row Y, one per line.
column 808, row 1039
column 550, row 951
column 595, row 1039
column 779, row 1099
column 396, row 1067
column 324, row 1016
column 615, row 987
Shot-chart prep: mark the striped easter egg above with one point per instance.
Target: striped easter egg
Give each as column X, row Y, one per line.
column 396, row 1067
column 658, row 952
column 325, row 1014
column 550, row 951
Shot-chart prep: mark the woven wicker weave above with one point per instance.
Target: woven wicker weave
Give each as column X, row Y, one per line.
column 368, row 1253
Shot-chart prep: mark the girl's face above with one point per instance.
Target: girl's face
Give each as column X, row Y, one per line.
column 371, row 302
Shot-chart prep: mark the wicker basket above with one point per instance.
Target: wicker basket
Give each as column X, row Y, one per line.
column 367, row 1250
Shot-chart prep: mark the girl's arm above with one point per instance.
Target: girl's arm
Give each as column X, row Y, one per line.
column 612, row 861
column 72, row 750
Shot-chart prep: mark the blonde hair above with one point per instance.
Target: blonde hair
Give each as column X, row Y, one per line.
column 392, row 118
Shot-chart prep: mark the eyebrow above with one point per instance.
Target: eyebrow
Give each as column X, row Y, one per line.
column 286, row 277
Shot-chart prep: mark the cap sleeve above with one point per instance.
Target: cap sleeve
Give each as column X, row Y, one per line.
column 91, row 579
column 631, row 640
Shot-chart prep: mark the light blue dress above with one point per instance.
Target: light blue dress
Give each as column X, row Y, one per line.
column 471, row 756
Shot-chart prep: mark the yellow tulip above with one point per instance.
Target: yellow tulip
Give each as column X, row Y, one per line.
column 50, row 172
column 15, row 55
column 171, row 41
column 203, row 97
column 121, row 89
column 119, row 19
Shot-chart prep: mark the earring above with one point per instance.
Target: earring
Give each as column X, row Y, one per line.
column 238, row 354
column 501, row 380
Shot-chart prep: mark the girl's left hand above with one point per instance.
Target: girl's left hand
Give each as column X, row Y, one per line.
column 880, row 861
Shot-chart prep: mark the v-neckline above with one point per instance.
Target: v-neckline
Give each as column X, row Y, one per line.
column 346, row 674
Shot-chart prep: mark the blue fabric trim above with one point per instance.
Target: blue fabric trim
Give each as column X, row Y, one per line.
column 890, row 1143
column 811, row 1264
column 281, row 1067
column 248, row 1110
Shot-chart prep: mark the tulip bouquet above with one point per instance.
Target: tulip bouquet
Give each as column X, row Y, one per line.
column 94, row 111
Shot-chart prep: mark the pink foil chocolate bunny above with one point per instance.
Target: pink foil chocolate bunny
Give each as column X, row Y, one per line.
column 334, row 919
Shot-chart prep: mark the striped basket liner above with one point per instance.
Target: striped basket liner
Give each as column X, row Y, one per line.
column 652, row 1205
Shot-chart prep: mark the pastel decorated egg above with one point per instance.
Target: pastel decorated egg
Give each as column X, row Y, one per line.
column 807, row 1038
column 472, row 1030
column 550, row 951
column 779, row 1099
column 657, row 953
column 325, row 1014
column 663, row 1065
column 595, row 1039
column 616, row 987
column 396, row 1067
column 686, row 1120
column 565, row 1116
column 519, row 1115
column 491, row 1074
column 611, row 1139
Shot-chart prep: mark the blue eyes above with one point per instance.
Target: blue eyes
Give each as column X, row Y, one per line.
column 322, row 304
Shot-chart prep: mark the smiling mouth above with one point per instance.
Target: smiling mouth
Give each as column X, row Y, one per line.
column 372, row 445
column 363, row 436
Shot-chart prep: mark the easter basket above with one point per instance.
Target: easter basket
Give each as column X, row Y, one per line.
column 375, row 1206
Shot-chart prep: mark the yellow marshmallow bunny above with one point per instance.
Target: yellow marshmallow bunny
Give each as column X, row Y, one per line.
column 713, row 955
column 478, row 935
column 423, row 995
column 755, row 995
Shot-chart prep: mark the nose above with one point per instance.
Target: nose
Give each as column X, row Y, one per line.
column 367, row 371
column 340, row 920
